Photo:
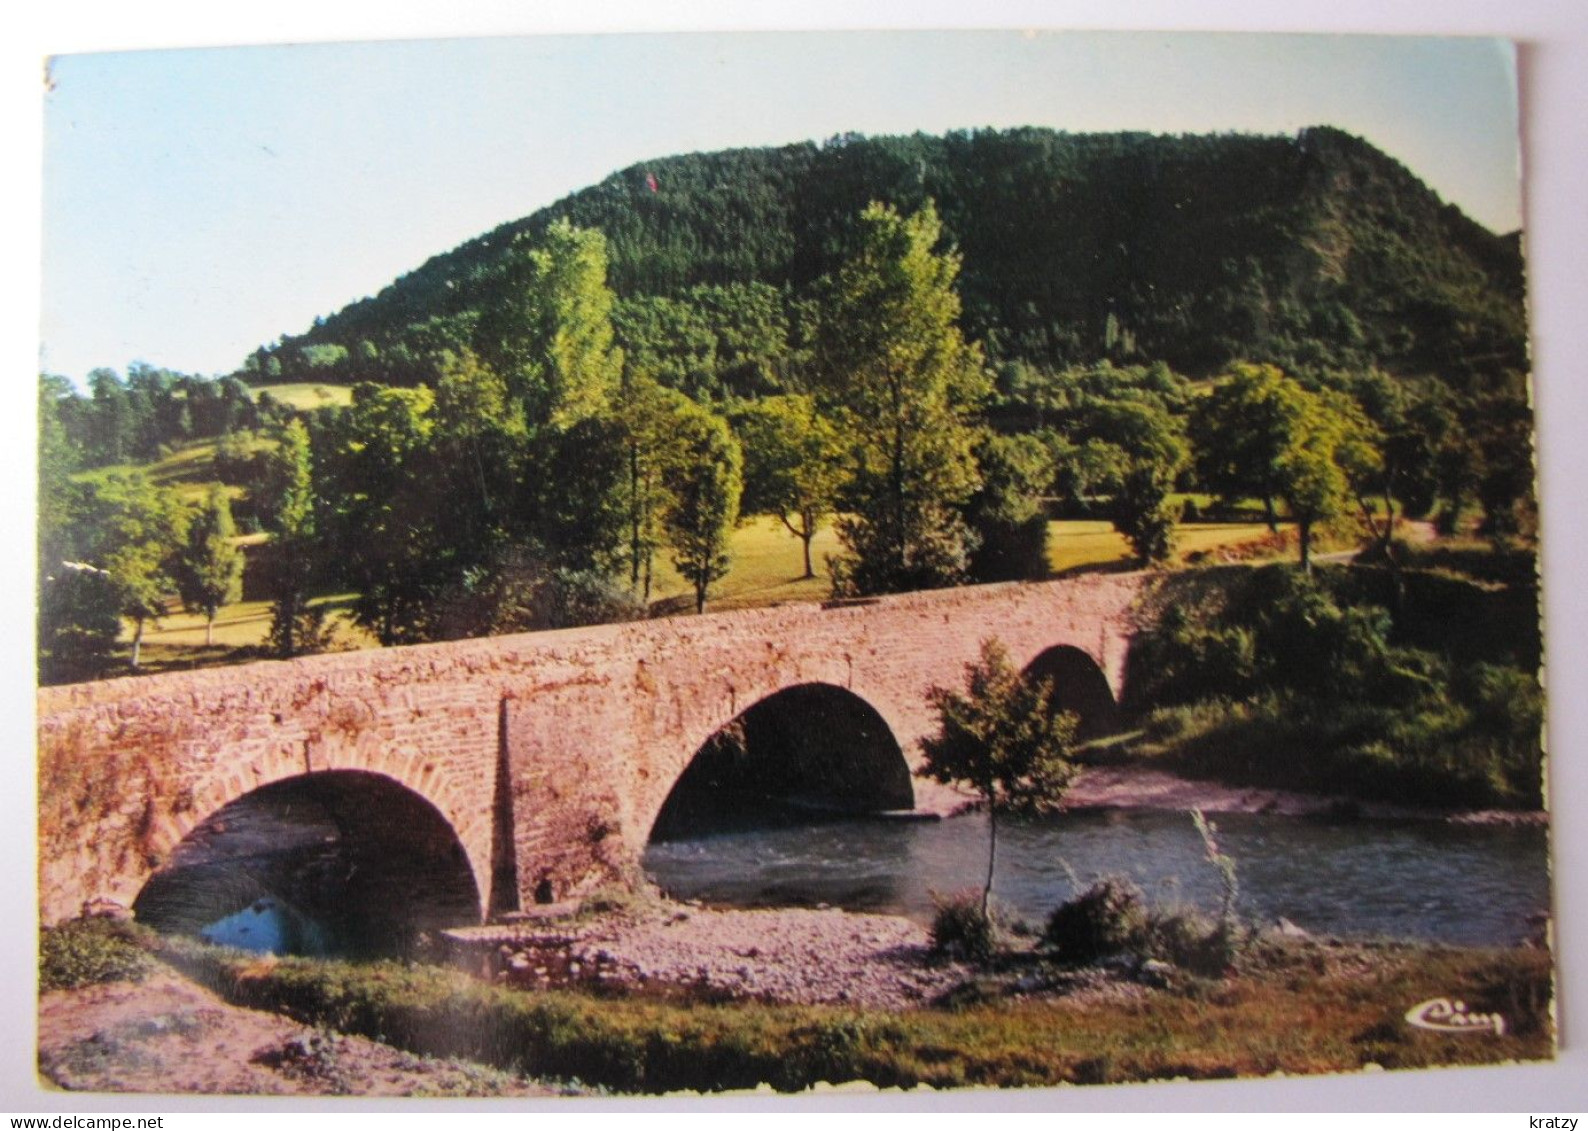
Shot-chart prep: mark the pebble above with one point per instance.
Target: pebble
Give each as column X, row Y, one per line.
column 796, row 955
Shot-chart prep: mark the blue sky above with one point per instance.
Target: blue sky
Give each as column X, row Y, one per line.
column 199, row 203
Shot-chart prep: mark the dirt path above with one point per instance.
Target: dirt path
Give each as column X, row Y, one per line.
column 168, row 1035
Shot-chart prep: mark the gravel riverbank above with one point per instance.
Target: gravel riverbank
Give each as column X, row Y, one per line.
column 1141, row 787
column 786, row 955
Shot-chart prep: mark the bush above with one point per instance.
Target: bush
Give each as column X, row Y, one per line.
column 1190, row 940
column 88, row 952
column 1106, row 918
column 518, row 591
column 961, row 929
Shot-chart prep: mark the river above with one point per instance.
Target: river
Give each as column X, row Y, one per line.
column 1413, row 879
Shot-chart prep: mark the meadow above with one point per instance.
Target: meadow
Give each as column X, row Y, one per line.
column 766, row 570
column 767, row 565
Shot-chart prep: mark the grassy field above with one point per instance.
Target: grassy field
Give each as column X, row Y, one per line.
column 1289, row 1007
column 767, row 561
column 188, row 470
column 767, row 569
column 1086, row 545
column 177, row 641
column 308, row 396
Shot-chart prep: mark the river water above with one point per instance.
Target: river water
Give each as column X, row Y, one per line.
column 1426, row 880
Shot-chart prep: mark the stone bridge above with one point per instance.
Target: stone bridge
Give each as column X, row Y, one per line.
column 534, row 765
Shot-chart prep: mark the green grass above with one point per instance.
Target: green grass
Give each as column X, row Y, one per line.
column 767, row 570
column 1079, row 545
column 188, row 471
column 308, row 395
column 90, row 952
column 242, row 631
column 1293, row 1007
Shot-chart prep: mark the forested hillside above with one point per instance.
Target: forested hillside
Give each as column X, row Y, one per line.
column 1311, row 252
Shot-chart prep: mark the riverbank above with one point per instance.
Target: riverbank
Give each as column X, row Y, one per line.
column 791, row 956
column 1292, row 1005
column 1134, row 785
column 166, row 1035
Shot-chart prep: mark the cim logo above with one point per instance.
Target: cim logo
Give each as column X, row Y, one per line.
column 1441, row 1015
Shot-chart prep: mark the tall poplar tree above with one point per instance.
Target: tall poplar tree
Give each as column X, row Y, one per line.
column 550, row 334
column 578, row 363
column 906, row 385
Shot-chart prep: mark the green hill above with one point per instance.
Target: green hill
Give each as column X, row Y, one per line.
column 1311, row 251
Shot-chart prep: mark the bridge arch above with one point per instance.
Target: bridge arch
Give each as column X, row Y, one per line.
column 1079, row 685
column 365, row 859
column 813, row 747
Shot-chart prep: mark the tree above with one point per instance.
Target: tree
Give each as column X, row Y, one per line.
column 289, row 558
column 1239, row 431
column 79, row 620
column 113, row 425
column 552, row 338
column 705, row 481
column 381, row 489
column 1151, row 454
column 210, row 573
column 581, row 472
column 892, row 360
column 579, row 366
column 57, row 459
column 133, row 531
column 1405, row 468
column 671, row 339
column 480, row 432
column 1262, row 433
column 793, row 465
column 1144, row 514
column 1007, row 512
column 647, row 413
column 1003, row 739
column 1329, row 445
column 1505, row 439
column 517, row 590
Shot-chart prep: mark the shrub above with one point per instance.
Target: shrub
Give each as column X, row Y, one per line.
column 518, row 590
column 1185, row 938
column 87, row 952
column 962, row 929
column 1106, row 918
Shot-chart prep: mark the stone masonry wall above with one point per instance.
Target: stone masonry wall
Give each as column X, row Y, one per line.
column 598, row 723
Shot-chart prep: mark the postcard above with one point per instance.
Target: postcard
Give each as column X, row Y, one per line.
column 651, row 563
